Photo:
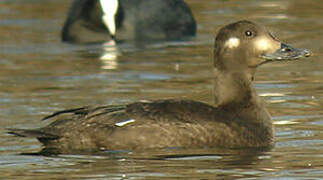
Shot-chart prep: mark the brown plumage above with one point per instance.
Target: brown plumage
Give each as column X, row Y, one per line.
column 238, row 120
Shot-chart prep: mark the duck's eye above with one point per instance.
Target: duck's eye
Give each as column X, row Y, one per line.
column 249, row 33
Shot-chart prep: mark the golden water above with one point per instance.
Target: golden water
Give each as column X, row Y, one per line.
column 40, row 75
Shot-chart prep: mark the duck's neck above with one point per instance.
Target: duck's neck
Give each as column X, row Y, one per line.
column 234, row 92
column 234, row 89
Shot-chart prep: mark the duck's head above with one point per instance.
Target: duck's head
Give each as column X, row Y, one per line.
column 244, row 45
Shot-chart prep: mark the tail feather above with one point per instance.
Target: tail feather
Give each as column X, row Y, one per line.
column 32, row 133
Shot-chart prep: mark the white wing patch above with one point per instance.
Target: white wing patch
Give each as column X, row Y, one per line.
column 123, row 123
column 109, row 8
column 232, row 42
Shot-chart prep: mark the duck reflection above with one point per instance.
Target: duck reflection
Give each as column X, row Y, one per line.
column 109, row 56
column 105, row 54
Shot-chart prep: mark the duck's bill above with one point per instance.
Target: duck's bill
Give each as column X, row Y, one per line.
column 287, row 52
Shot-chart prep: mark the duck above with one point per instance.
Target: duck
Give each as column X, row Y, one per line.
column 237, row 119
column 91, row 21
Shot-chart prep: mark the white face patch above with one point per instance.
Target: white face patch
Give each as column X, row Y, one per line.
column 263, row 44
column 110, row 8
column 123, row 123
column 232, row 42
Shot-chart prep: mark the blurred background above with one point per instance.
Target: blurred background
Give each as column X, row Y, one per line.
column 39, row 75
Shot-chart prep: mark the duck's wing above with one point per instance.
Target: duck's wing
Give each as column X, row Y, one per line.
column 130, row 126
column 88, row 111
column 84, row 124
column 82, row 110
column 160, row 111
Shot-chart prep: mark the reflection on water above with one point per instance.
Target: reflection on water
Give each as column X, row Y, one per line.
column 109, row 57
column 40, row 75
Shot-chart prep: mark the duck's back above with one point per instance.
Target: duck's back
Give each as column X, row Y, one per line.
column 156, row 19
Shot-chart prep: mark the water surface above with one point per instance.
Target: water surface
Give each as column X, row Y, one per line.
column 40, row 75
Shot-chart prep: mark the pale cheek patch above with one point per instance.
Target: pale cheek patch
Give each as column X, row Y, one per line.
column 263, row 44
column 123, row 123
column 232, row 42
column 109, row 8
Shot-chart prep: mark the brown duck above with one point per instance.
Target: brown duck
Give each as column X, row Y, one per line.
column 238, row 120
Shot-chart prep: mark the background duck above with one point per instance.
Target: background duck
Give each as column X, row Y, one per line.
column 140, row 20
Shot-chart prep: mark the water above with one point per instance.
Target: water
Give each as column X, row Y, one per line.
column 40, row 75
